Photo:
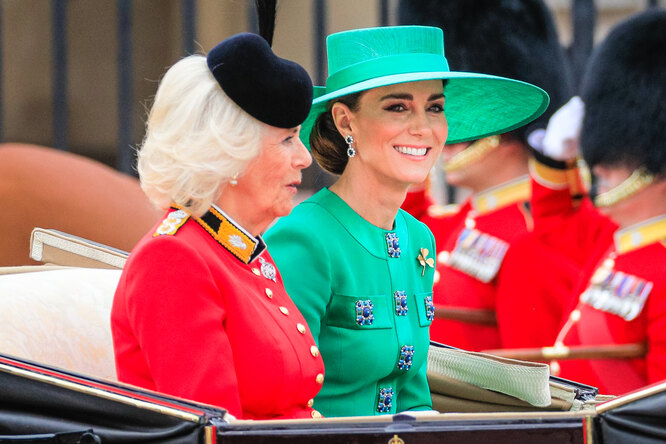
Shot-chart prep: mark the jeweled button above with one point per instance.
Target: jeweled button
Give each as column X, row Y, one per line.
column 315, row 352
column 269, row 293
column 320, row 378
column 470, row 223
column 310, row 403
column 256, row 271
column 554, row 368
column 316, row 415
column 301, row 328
column 285, row 311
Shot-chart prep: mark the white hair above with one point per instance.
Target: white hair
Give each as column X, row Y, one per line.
column 196, row 139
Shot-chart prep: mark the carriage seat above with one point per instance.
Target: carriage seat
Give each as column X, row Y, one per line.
column 59, row 316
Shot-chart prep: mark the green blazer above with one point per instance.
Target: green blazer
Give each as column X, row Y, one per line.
column 366, row 298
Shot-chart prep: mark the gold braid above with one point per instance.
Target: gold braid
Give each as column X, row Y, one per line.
column 477, row 150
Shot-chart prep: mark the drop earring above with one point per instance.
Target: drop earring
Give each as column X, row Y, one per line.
column 234, row 180
column 351, row 152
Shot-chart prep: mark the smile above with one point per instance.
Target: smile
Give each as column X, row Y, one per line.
column 417, row 152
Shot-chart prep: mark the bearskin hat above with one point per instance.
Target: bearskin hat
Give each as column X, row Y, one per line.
column 624, row 90
column 509, row 38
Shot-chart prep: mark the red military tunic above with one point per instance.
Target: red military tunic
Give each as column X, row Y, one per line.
column 472, row 241
column 535, row 287
column 620, row 295
column 200, row 312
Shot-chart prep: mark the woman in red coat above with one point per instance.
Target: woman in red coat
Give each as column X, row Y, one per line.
column 200, row 311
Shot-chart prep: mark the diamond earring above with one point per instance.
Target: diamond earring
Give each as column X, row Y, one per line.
column 234, row 180
column 351, row 152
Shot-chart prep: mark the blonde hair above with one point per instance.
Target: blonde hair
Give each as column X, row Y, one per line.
column 196, row 140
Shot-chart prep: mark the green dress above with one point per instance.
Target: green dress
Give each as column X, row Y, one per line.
column 367, row 299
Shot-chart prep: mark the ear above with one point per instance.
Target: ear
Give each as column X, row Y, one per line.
column 342, row 117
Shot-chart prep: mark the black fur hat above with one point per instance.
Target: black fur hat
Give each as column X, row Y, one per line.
column 624, row 90
column 509, row 38
column 275, row 91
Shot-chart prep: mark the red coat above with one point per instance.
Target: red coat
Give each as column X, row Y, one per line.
column 615, row 289
column 535, row 288
column 471, row 243
column 201, row 318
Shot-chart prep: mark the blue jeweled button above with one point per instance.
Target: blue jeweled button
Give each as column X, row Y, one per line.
column 400, row 302
column 393, row 244
column 385, row 400
column 430, row 308
column 364, row 314
column 406, row 355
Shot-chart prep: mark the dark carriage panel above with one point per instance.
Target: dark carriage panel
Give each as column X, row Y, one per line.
column 497, row 428
column 38, row 400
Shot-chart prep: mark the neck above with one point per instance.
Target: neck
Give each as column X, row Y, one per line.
column 502, row 178
column 507, row 162
column 645, row 204
column 242, row 213
column 372, row 200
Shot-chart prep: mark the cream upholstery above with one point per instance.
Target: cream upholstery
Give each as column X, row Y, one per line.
column 60, row 317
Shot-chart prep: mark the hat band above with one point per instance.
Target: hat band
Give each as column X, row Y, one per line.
column 386, row 66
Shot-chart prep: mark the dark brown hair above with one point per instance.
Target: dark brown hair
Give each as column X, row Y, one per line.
column 326, row 143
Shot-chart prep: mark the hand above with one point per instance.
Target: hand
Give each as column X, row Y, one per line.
column 559, row 140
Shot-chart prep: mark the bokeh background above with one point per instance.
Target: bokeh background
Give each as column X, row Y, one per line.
column 79, row 75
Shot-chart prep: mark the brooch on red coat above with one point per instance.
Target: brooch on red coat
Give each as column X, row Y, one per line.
column 424, row 260
column 267, row 269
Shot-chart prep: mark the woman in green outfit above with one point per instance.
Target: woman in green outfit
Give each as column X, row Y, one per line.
column 360, row 269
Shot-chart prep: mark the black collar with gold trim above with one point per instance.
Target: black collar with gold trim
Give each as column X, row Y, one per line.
column 230, row 235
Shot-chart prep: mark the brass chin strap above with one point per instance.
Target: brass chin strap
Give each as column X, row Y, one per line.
column 638, row 180
column 472, row 153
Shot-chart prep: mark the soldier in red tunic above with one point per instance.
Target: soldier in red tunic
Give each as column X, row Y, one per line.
column 200, row 311
column 611, row 304
column 517, row 41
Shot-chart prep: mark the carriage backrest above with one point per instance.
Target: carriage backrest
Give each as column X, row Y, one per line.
column 59, row 316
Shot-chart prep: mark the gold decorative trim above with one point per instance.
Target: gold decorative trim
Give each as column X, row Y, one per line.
column 627, row 399
column 553, row 178
column 637, row 181
column 502, row 195
column 639, row 235
column 230, row 235
column 473, row 153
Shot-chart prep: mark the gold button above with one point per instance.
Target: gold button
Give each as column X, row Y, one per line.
column 301, row 328
column 285, row 311
column 256, row 271
column 320, row 378
column 311, row 403
column 443, row 257
column 269, row 293
column 316, row 414
column 554, row 368
column 314, row 350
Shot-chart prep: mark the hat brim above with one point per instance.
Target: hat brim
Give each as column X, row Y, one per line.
column 476, row 106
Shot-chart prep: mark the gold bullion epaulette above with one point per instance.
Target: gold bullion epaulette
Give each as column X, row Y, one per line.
column 172, row 222
column 478, row 254
column 442, row 210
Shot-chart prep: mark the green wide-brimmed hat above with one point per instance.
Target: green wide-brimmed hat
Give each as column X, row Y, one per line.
column 476, row 106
